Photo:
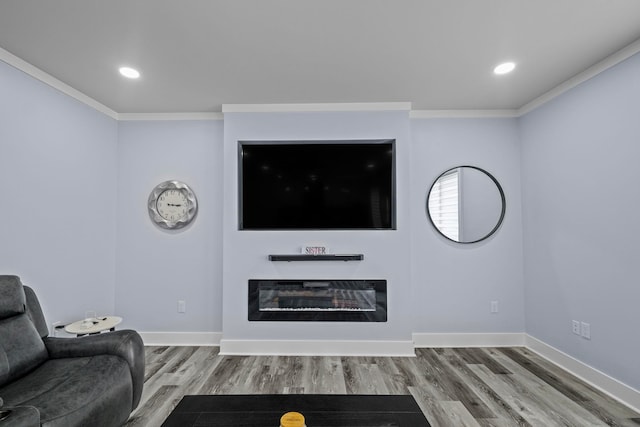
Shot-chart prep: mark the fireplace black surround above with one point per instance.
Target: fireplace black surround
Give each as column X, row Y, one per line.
column 318, row 300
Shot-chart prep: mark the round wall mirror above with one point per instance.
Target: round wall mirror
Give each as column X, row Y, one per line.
column 466, row 204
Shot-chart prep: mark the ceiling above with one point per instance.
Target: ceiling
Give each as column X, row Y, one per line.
column 195, row 55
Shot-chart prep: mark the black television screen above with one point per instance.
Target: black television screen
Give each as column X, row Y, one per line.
column 330, row 185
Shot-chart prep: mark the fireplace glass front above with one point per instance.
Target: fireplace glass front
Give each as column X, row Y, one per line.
column 318, row 300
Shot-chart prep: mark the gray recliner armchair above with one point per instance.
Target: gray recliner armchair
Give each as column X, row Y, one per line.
column 94, row 380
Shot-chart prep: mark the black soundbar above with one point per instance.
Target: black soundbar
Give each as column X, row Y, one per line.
column 323, row 257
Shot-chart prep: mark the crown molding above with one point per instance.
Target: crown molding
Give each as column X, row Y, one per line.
column 169, row 116
column 462, row 114
column 320, row 107
column 48, row 79
column 610, row 61
column 567, row 85
column 596, row 69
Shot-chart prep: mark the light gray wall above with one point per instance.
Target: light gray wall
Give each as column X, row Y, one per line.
column 454, row 283
column 158, row 267
column 386, row 252
column 57, row 210
column 54, row 148
column 581, row 228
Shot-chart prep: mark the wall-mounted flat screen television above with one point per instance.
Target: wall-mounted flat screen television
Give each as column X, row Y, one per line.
column 323, row 185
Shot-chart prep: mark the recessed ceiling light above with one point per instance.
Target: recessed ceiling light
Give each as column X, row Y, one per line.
column 504, row 68
column 129, row 72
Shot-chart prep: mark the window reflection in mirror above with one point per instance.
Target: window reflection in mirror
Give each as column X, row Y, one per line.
column 466, row 204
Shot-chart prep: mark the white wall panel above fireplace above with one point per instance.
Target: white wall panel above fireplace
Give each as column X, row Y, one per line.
column 386, row 252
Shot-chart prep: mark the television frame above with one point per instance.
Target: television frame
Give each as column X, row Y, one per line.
column 393, row 212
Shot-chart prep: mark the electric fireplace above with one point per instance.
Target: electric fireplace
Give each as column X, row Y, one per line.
column 318, row 300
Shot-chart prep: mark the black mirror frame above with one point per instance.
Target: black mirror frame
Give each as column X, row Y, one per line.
column 502, row 199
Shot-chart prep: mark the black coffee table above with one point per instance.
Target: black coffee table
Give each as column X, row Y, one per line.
column 265, row 410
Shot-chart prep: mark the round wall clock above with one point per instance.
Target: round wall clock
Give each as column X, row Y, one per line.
column 172, row 205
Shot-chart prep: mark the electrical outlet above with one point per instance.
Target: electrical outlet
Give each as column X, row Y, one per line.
column 494, row 306
column 585, row 330
column 182, row 306
column 575, row 327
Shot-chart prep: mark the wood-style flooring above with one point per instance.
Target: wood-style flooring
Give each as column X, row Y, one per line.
column 458, row 387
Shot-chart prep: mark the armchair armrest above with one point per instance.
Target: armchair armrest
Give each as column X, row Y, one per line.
column 126, row 344
column 19, row 416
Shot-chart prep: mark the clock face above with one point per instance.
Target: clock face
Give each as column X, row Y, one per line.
column 172, row 205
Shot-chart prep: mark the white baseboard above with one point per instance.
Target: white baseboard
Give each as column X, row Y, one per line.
column 469, row 340
column 181, row 338
column 603, row 382
column 317, row 348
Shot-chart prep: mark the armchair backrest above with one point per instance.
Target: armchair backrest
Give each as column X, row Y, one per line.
column 35, row 311
column 21, row 345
